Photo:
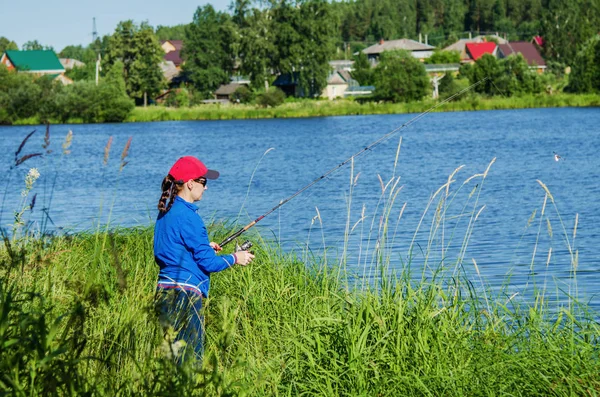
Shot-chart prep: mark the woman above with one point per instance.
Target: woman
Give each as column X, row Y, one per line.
column 183, row 252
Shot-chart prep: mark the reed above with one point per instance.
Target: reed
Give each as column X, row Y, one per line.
column 77, row 314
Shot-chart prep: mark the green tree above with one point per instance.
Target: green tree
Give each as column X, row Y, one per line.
column 256, row 46
column 207, row 49
column 35, row 45
column 363, row 73
column 441, row 57
column 138, row 49
column 6, row 44
column 485, row 67
column 399, row 77
column 516, row 78
column 303, row 34
column 585, row 73
column 566, row 25
column 176, row 32
column 73, row 52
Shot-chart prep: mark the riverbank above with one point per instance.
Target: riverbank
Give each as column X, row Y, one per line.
column 78, row 318
column 342, row 107
column 309, row 108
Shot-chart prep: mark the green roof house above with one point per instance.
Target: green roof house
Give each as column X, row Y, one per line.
column 38, row 62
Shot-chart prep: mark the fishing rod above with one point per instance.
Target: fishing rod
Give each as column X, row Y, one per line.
column 247, row 245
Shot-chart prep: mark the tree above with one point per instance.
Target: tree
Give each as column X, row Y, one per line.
column 441, row 57
column 303, row 34
column 399, row 77
column 176, row 32
column 486, row 66
column 35, row 45
column 6, row 44
column 566, row 25
column 363, row 73
column 207, row 49
column 138, row 49
column 256, row 47
column 585, row 74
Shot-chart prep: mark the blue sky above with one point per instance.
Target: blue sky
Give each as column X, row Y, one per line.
column 69, row 22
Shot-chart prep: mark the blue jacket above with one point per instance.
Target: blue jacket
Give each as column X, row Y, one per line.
column 182, row 250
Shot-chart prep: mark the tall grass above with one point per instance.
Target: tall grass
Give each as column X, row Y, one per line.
column 77, row 316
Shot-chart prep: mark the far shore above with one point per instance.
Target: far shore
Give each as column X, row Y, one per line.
column 344, row 107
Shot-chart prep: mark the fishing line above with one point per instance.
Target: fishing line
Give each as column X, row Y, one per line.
column 336, row 168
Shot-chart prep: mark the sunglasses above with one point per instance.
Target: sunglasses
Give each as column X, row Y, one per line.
column 201, row 181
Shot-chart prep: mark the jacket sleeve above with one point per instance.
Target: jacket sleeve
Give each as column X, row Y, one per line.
column 195, row 238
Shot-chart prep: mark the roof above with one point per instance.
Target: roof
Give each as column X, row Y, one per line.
column 178, row 44
column 478, row 49
column 528, row 50
column 460, row 45
column 402, row 44
column 70, row 63
column 35, row 61
column 169, row 70
column 228, row 89
column 539, row 40
column 174, row 57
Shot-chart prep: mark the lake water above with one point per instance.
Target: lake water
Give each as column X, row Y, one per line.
column 504, row 241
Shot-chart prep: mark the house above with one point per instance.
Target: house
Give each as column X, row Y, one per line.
column 288, row 83
column 477, row 50
column 172, row 50
column 538, row 41
column 225, row 91
column 461, row 45
column 357, row 91
column 337, row 84
column 344, row 64
column 169, row 70
column 38, row 62
column 418, row 50
column 69, row 63
column 529, row 52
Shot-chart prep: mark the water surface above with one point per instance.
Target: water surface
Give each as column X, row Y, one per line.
column 502, row 243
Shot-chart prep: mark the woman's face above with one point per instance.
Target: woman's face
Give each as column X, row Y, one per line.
column 197, row 189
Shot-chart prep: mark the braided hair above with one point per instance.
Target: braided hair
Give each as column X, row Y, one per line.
column 170, row 188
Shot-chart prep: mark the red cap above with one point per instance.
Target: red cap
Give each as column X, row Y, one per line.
column 189, row 167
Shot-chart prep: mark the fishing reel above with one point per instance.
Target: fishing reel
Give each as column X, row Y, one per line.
column 244, row 247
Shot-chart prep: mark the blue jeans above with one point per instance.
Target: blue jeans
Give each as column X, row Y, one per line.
column 180, row 310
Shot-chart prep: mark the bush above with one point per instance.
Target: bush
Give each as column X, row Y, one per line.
column 243, row 95
column 179, row 97
column 272, row 98
column 399, row 77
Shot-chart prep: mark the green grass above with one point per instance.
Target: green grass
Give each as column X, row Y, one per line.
column 341, row 107
column 277, row 327
column 310, row 108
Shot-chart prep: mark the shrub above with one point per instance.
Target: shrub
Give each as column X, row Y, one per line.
column 400, row 77
column 272, row 98
column 243, row 95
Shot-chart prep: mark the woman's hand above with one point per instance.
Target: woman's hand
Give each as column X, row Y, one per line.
column 243, row 257
column 215, row 246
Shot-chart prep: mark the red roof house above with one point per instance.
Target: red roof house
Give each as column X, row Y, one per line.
column 476, row 50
